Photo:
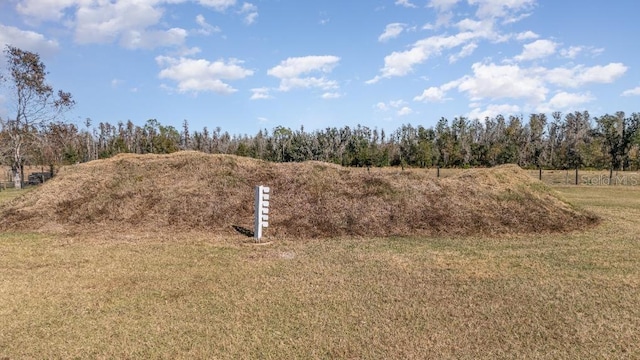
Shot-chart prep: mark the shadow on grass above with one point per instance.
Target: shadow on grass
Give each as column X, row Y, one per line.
column 242, row 230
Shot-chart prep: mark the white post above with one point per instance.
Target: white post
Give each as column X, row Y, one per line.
column 262, row 211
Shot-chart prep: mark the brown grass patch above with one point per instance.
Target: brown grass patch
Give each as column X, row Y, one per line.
column 175, row 295
column 195, row 191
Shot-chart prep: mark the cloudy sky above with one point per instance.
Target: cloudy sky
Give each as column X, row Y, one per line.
column 244, row 66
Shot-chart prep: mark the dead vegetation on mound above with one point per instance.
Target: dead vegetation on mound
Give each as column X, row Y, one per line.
column 191, row 191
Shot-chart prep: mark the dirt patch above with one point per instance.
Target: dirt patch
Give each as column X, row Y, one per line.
column 200, row 192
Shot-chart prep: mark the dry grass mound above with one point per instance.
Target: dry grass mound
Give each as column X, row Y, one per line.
column 190, row 191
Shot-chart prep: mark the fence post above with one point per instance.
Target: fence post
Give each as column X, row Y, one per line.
column 576, row 175
column 611, row 175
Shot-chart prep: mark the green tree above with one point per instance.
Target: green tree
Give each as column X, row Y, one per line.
column 535, row 143
column 282, row 139
column 617, row 136
column 513, row 142
column 576, row 131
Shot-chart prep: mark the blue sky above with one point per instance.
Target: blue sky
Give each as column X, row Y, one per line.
column 244, row 66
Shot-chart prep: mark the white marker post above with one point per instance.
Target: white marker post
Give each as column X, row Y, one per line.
column 262, row 211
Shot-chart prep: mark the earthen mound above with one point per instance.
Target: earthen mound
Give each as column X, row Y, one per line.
column 191, row 191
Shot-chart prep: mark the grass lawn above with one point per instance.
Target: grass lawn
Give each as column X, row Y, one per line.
column 198, row 296
column 8, row 194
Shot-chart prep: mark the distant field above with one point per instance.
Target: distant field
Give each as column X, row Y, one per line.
column 196, row 295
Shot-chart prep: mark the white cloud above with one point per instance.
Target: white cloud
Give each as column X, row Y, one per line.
column 571, row 52
column 184, row 52
column 404, row 111
column 381, row 106
column 559, row 76
column 632, row 92
column 515, row 18
column 602, row 74
column 261, row 93
column 444, row 19
column 502, row 81
column 250, row 13
column 288, row 84
column 537, row 50
column 151, row 39
column 296, row 66
column 405, row 3
column 401, row 63
column 451, row 85
column 107, row 22
column 442, row 5
column 466, row 51
column 530, row 85
column 374, row 80
column 397, row 103
column 44, row 10
column 250, row 18
column 200, row 20
column 205, row 27
column 132, row 23
column 580, row 75
column 564, row 101
column 399, row 106
column 27, row 40
column 290, row 72
column 391, row 31
column 480, row 27
column 501, row 8
column 218, row 5
column 196, row 75
column 527, row 35
column 331, row 95
column 432, row 94
column 493, row 110
column 428, row 27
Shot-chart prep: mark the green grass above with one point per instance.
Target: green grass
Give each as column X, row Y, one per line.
column 10, row 193
column 603, row 198
column 198, row 296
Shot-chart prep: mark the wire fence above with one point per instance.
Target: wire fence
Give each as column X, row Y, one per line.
column 569, row 177
column 588, row 177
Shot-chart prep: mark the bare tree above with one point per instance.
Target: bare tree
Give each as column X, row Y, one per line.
column 35, row 106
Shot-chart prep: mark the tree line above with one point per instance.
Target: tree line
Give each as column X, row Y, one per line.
column 36, row 134
column 560, row 142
